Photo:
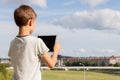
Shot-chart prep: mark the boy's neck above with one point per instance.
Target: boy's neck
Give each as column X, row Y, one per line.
column 23, row 31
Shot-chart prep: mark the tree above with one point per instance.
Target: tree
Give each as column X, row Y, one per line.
column 68, row 63
column 117, row 65
column 93, row 64
column 103, row 63
column 87, row 63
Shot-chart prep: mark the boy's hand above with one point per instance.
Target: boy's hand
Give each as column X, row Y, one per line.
column 51, row 61
column 56, row 48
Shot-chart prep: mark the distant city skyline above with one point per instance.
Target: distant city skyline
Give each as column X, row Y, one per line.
column 84, row 27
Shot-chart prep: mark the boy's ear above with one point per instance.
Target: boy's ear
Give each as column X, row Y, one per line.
column 30, row 22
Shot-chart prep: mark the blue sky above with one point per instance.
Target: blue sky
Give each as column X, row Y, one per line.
column 84, row 27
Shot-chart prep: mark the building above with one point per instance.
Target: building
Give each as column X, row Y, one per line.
column 118, row 59
column 98, row 61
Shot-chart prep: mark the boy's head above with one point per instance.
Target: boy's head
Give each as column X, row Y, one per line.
column 23, row 14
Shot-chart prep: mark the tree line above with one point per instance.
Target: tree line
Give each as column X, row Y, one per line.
column 89, row 63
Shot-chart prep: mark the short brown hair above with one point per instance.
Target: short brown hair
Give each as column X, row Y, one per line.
column 22, row 14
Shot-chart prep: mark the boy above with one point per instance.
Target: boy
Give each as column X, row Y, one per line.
column 25, row 50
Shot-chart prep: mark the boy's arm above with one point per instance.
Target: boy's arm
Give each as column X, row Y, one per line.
column 51, row 61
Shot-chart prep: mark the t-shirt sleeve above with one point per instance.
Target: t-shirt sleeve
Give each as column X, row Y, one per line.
column 42, row 48
column 10, row 51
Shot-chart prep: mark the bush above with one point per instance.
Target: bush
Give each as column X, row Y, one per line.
column 3, row 70
column 117, row 65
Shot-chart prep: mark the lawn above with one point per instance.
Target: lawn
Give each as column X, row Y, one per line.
column 77, row 75
column 70, row 75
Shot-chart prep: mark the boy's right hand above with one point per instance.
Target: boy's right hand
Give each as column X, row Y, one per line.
column 56, row 48
column 51, row 61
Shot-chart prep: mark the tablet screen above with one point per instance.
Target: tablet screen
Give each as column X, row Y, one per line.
column 49, row 40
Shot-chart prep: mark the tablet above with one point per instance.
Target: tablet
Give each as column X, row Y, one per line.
column 49, row 40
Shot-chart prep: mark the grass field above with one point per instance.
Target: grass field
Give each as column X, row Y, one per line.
column 70, row 75
column 77, row 75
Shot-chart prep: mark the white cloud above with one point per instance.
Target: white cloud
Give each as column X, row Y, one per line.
column 41, row 3
column 105, row 19
column 75, row 52
column 82, row 50
column 93, row 3
column 69, row 3
column 78, row 43
column 110, row 51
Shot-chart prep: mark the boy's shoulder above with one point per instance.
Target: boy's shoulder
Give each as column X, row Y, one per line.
column 34, row 38
column 27, row 39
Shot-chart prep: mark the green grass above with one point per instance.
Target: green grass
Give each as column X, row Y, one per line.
column 77, row 75
column 108, row 71
column 70, row 75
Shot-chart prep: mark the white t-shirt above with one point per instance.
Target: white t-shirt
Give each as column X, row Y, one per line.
column 24, row 53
